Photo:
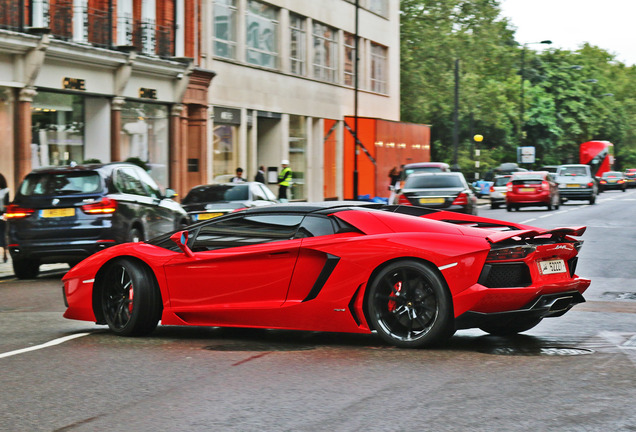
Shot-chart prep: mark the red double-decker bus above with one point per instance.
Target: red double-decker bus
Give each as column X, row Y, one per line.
column 599, row 155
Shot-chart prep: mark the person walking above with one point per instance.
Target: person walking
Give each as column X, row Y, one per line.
column 394, row 176
column 260, row 175
column 239, row 176
column 4, row 202
column 284, row 180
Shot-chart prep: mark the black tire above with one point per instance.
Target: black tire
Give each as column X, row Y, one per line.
column 508, row 207
column 593, row 199
column 509, row 328
column 550, row 206
column 135, row 235
column 410, row 306
column 25, row 268
column 494, row 206
column 129, row 298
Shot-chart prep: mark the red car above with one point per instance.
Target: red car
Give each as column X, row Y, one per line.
column 532, row 188
column 411, row 274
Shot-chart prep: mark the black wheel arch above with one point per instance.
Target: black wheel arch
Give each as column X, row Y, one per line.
column 385, row 264
column 99, row 280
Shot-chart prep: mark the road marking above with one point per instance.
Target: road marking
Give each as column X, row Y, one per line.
column 527, row 221
column 44, row 345
column 545, row 216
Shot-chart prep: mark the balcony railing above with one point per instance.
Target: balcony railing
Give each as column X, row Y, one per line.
column 70, row 21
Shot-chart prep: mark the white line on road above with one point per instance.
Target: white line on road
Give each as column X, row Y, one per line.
column 527, row 220
column 44, row 345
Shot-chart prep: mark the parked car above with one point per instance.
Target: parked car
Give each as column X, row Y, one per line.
column 532, row 188
column 612, row 180
column 498, row 191
column 576, row 183
column 441, row 190
column 213, row 200
column 412, row 275
column 420, row 167
column 64, row 214
column 550, row 168
column 630, row 177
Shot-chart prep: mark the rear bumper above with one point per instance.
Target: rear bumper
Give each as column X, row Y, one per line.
column 576, row 193
column 544, row 306
column 58, row 252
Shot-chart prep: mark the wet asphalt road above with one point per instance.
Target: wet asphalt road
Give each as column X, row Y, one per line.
column 573, row 373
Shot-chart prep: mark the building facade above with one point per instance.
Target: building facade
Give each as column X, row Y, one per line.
column 106, row 80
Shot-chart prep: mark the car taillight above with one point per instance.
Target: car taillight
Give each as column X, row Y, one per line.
column 462, row 199
column 105, row 206
column 492, row 189
column 509, row 187
column 621, row 181
column 14, row 211
column 545, row 185
column 403, row 200
column 510, row 253
column 590, row 184
column 602, row 182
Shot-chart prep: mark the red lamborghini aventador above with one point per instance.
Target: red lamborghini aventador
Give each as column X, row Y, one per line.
column 413, row 275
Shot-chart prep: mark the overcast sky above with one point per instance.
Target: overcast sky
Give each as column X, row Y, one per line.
column 608, row 24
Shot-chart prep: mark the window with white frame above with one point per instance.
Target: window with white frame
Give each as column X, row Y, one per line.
column 349, row 58
column 262, row 34
column 225, row 15
column 297, row 44
column 325, row 52
column 380, row 7
column 378, row 68
column 124, row 22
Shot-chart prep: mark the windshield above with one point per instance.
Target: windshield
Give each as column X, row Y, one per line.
column 613, row 174
column 501, row 181
column 61, row 184
column 573, row 171
column 217, row 193
column 433, row 181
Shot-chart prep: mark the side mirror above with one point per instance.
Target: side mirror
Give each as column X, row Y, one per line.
column 181, row 239
column 170, row 193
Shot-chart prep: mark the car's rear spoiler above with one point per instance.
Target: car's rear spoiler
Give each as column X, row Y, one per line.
column 526, row 234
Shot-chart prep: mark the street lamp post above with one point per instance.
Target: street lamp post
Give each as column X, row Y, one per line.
column 521, row 103
column 477, row 138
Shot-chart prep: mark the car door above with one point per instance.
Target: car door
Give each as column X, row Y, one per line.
column 240, row 262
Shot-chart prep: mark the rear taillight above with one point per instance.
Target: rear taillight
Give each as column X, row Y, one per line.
column 590, row 184
column 492, row 189
column 462, row 199
column 545, row 185
column 602, row 182
column 403, row 200
column 509, row 187
column 105, row 206
column 510, row 253
column 14, row 211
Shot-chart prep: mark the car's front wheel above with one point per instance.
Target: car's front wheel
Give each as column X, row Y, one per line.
column 130, row 299
column 25, row 268
column 410, row 306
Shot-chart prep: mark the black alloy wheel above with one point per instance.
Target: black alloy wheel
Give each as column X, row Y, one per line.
column 130, row 299
column 410, row 306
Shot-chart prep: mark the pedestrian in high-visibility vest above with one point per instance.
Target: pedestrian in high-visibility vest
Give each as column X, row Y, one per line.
column 284, row 180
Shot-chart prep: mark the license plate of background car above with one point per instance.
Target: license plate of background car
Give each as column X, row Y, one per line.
column 552, row 266
column 431, row 200
column 573, row 185
column 59, row 212
column 206, row 216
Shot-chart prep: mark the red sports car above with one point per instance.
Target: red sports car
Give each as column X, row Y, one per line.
column 411, row 274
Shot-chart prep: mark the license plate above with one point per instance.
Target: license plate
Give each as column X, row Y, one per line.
column 432, row 200
column 56, row 213
column 526, row 189
column 206, row 216
column 552, row 266
column 573, row 185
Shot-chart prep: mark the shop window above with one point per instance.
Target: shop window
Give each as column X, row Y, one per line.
column 297, row 44
column 57, row 121
column 262, row 34
column 298, row 155
column 144, row 136
column 224, row 151
column 325, row 52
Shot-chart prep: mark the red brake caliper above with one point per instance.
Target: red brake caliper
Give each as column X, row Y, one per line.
column 396, row 289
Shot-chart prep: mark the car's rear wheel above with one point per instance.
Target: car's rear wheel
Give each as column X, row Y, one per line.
column 25, row 268
column 509, row 328
column 130, row 299
column 410, row 306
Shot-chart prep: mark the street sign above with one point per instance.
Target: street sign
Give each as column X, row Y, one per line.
column 525, row 154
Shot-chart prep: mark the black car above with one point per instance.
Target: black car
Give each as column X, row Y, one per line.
column 209, row 201
column 64, row 214
column 612, row 180
column 441, row 190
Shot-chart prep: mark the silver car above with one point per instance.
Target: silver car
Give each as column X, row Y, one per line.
column 498, row 191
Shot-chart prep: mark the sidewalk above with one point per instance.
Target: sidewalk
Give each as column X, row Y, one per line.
column 6, row 268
